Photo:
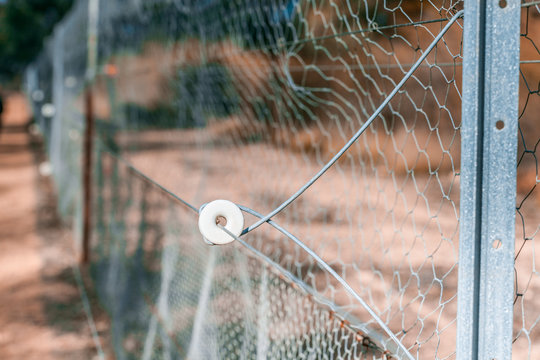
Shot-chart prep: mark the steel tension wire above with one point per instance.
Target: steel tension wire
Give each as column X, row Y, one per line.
column 331, row 271
column 148, row 179
column 352, row 140
column 297, row 241
column 317, row 298
column 355, row 137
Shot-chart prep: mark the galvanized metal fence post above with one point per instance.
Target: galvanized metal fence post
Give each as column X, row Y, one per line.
column 488, row 179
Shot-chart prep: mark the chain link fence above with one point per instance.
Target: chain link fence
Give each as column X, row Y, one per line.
column 242, row 100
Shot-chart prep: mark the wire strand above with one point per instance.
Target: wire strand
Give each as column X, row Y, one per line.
column 330, row 270
column 355, row 137
column 148, row 179
column 298, row 242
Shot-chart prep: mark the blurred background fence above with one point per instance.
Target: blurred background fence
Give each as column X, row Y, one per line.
column 151, row 109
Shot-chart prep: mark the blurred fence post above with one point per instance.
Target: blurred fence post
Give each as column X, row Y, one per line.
column 488, row 179
column 91, row 69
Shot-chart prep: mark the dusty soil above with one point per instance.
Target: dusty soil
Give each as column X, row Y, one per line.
column 41, row 312
column 394, row 233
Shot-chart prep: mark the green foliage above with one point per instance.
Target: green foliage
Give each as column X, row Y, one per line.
column 23, row 26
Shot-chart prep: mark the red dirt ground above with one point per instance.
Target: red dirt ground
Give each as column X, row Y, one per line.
column 41, row 312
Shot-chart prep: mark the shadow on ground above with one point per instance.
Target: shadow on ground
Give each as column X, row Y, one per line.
column 62, row 303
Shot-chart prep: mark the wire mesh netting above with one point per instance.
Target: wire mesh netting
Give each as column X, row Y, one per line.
column 172, row 295
column 245, row 101
column 527, row 280
column 55, row 83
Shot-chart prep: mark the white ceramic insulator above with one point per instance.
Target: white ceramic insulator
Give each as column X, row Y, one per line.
column 208, row 216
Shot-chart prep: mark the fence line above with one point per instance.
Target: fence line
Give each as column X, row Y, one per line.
column 404, row 250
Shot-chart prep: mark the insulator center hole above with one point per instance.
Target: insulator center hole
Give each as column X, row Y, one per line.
column 221, row 220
